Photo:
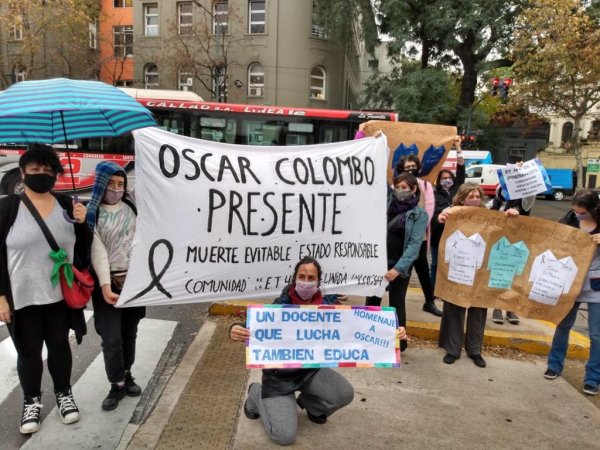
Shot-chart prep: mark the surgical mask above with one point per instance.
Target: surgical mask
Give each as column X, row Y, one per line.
column 413, row 172
column 472, row 202
column 447, row 183
column 583, row 216
column 112, row 196
column 403, row 195
column 39, row 182
column 306, row 289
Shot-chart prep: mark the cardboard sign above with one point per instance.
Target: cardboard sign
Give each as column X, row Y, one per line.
column 527, row 265
column 221, row 221
column 430, row 142
column 322, row 336
column 525, row 181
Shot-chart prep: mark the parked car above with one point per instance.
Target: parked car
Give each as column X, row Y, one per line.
column 485, row 175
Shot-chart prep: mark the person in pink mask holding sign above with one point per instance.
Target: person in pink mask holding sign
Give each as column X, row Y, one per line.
column 322, row 391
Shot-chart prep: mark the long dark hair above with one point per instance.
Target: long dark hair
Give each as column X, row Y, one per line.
column 442, row 172
column 588, row 199
column 308, row 260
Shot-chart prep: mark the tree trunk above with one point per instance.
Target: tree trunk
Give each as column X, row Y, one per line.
column 469, row 82
column 577, row 152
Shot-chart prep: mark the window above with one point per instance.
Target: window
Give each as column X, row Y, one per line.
column 316, row 29
column 256, row 80
column 185, row 18
column 16, row 31
column 373, row 64
column 93, row 35
column 123, row 3
column 219, row 83
column 123, row 41
column 151, row 76
column 567, row 133
column 151, row 19
column 318, row 78
column 474, row 172
column 124, row 83
column 256, row 17
column 185, row 80
column 20, row 74
column 220, row 17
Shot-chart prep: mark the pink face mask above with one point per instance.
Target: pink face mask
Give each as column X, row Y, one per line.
column 111, row 196
column 306, row 289
column 472, row 202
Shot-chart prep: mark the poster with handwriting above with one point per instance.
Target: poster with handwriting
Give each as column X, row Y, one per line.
column 532, row 266
column 222, row 221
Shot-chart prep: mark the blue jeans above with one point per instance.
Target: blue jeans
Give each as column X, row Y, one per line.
column 433, row 266
column 560, row 343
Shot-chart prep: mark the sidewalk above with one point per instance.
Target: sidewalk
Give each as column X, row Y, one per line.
column 425, row 404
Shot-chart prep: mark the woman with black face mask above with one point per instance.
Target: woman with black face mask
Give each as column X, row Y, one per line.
column 30, row 303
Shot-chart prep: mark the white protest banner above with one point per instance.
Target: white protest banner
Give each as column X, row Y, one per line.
column 523, row 181
column 321, row 336
column 220, row 221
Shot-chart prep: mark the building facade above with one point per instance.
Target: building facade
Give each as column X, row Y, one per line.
column 267, row 52
column 115, row 36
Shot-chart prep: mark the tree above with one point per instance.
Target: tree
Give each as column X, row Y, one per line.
column 556, row 68
column 471, row 30
column 203, row 49
column 51, row 37
column 419, row 95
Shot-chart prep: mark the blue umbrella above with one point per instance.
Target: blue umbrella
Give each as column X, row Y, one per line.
column 55, row 110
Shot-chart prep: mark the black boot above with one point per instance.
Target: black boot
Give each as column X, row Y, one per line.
column 432, row 309
column 131, row 387
column 117, row 392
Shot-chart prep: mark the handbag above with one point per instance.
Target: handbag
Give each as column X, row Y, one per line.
column 76, row 284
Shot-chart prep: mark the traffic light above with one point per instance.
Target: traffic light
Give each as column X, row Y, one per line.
column 506, row 84
column 495, row 85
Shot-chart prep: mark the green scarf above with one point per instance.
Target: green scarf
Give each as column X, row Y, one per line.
column 60, row 260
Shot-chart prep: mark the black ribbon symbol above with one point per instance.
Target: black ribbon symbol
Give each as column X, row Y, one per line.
column 156, row 278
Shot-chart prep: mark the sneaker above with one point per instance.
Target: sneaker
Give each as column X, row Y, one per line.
column 551, row 374
column 432, row 309
column 131, row 387
column 67, row 409
column 497, row 316
column 315, row 419
column 512, row 318
column 252, row 415
column 449, row 359
column 117, row 392
column 478, row 360
column 590, row 389
column 32, row 408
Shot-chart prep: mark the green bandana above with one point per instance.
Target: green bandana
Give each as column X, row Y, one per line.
column 60, row 260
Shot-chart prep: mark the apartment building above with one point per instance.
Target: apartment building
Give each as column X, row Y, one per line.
column 268, row 52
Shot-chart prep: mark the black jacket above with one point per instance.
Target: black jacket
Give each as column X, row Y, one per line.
column 9, row 208
column 443, row 200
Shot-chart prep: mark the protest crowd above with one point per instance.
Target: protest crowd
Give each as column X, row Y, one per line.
column 99, row 238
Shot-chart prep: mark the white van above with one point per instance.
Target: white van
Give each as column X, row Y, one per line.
column 485, row 175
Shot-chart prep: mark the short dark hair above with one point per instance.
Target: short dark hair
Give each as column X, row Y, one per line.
column 41, row 154
column 304, row 261
column 588, row 199
column 408, row 178
column 404, row 159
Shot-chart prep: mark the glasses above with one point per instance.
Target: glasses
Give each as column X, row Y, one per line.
column 410, row 166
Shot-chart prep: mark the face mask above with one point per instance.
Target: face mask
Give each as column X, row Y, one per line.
column 413, row 172
column 403, row 195
column 583, row 216
column 39, row 182
column 111, row 196
column 447, row 183
column 306, row 289
column 472, row 202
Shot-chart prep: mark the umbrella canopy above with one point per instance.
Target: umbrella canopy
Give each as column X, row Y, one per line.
column 47, row 111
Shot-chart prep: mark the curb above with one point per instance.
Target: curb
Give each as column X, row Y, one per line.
column 536, row 344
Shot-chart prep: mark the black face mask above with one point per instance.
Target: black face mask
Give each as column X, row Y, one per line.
column 413, row 172
column 39, row 182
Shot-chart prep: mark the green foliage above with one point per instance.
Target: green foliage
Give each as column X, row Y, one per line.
column 418, row 95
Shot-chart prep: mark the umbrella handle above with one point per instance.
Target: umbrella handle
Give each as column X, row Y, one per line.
column 66, row 214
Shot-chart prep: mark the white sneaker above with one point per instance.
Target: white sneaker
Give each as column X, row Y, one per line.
column 30, row 422
column 67, row 409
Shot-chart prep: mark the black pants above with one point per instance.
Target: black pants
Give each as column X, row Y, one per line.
column 452, row 329
column 397, row 295
column 118, row 329
column 421, row 266
column 32, row 327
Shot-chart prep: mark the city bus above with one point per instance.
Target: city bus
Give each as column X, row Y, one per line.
column 185, row 113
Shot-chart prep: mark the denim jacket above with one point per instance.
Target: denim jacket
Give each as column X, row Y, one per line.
column 415, row 226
